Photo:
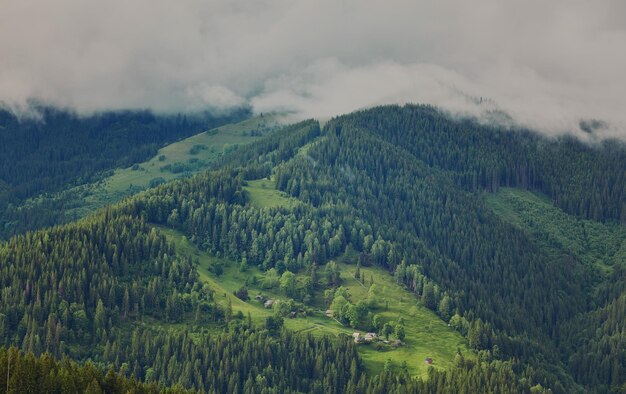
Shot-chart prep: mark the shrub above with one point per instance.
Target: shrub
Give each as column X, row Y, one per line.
column 242, row 293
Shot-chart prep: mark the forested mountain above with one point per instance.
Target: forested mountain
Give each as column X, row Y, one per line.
column 405, row 188
column 583, row 179
column 57, row 147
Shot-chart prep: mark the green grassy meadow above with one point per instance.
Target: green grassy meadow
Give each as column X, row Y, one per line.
column 263, row 194
column 201, row 149
column 426, row 334
column 192, row 155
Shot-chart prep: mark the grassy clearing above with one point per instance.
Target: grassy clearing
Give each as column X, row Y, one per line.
column 225, row 284
column 304, row 150
column 426, row 334
column 190, row 155
column 263, row 194
column 180, row 159
column 598, row 244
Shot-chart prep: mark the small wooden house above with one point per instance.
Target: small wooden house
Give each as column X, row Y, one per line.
column 370, row 336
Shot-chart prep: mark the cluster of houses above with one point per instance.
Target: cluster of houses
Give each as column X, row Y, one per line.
column 269, row 304
column 373, row 337
column 369, row 337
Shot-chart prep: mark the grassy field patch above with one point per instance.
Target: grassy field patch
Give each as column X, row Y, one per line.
column 426, row 334
column 263, row 194
column 192, row 154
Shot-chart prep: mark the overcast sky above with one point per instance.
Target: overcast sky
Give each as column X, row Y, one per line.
column 547, row 63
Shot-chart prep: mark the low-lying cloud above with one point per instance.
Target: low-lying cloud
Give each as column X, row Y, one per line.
column 547, row 64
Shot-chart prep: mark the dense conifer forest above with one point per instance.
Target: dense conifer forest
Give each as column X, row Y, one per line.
column 407, row 189
column 50, row 149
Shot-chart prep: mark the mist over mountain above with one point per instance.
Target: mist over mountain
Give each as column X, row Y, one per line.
column 548, row 65
column 276, row 196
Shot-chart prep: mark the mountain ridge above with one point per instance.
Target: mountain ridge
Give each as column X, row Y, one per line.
column 402, row 187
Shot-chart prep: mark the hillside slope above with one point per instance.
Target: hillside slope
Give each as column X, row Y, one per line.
column 380, row 219
column 427, row 336
column 179, row 159
column 56, row 147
